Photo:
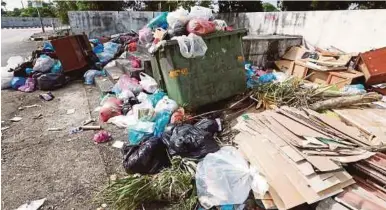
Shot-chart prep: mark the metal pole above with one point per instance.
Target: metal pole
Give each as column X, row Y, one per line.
column 41, row 20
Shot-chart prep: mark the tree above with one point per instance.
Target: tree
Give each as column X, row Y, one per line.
column 240, row 6
column 268, row 7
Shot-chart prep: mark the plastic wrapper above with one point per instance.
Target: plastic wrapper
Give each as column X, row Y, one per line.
column 29, row 85
column 144, row 111
column 267, row 78
column 139, row 131
column 148, row 83
column 191, row 46
column 166, row 104
column 189, row 141
column 90, row 75
column 43, row 64
column 180, row 15
column 17, row 82
column 110, row 108
column 161, row 121
column 224, row 177
column 200, row 27
column 147, row 158
column 201, row 12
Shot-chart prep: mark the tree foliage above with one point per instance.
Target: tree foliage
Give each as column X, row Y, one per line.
column 47, row 10
column 268, row 7
column 240, row 6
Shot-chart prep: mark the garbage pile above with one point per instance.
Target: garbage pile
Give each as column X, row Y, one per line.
column 43, row 70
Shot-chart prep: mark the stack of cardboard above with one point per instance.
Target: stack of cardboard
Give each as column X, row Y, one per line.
column 300, row 153
column 322, row 67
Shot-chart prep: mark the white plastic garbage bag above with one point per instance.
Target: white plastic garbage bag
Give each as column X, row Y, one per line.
column 180, row 15
column 224, row 177
column 123, row 121
column 191, row 46
column 166, row 104
column 126, row 95
column 142, row 97
column 201, row 12
column 6, row 77
column 144, row 111
column 43, row 64
column 148, row 83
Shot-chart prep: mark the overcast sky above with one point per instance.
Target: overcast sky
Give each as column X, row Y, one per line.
column 11, row 4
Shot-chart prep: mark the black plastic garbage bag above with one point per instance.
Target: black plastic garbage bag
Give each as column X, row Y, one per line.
column 208, row 125
column 190, row 141
column 147, row 158
column 51, row 81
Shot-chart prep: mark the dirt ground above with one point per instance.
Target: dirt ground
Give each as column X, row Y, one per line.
column 67, row 169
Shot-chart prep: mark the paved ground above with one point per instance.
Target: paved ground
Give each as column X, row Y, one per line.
column 15, row 42
column 67, row 169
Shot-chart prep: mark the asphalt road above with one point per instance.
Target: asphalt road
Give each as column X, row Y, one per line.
column 15, row 42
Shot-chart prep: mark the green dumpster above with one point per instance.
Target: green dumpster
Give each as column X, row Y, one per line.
column 202, row 80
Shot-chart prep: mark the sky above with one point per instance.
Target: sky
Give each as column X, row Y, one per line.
column 11, row 4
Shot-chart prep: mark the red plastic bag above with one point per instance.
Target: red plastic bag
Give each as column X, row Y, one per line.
column 111, row 108
column 200, row 27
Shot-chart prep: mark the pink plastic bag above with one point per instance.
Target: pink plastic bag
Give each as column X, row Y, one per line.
column 29, row 85
column 111, row 108
column 200, row 27
column 145, row 35
column 126, row 82
column 102, row 136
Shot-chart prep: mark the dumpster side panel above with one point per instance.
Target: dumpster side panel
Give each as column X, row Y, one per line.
column 203, row 80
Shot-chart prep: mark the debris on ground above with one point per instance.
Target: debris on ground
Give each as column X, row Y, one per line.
column 70, row 111
column 29, row 106
column 33, row 205
column 102, row 136
column 15, row 119
column 54, row 129
column 47, row 96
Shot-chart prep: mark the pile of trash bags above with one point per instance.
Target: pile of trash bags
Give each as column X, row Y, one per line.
column 147, row 112
column 185, row 27
column 41, row 71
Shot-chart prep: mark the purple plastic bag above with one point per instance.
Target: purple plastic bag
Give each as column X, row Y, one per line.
column 29, row 85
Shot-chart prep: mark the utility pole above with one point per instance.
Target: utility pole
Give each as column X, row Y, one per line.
column 41, row 20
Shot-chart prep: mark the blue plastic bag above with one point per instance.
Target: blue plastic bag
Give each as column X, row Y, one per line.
column 155, row 97
column 90, row 75
column 28, row 71
column 17, row 82
column 57, row 67
column 267, row 78
column 98, row 48
column 109, row 51
column 161, row 121
column 48, row 46
column 159, row 21
column 139, row 131
column 250, row 73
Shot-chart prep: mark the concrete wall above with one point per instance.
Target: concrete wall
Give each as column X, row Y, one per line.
column 27, row 22
column 349, row 30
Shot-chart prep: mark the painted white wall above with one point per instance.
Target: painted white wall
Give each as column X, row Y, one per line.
column 348, row 30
